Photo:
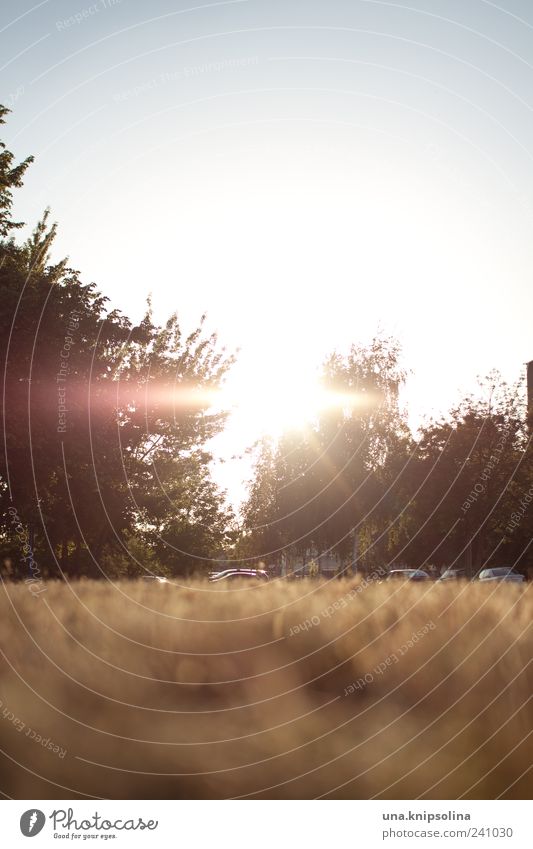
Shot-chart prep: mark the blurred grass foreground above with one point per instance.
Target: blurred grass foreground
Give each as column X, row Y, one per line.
column 301, row 690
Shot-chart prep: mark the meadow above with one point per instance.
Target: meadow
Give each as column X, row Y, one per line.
column 287, row 690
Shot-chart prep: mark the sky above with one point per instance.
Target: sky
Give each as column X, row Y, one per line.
column 307, row 172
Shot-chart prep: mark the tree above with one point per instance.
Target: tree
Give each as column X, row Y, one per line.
column 105, row 422
column 11, row 177
column 471, row 464
column 324, row 485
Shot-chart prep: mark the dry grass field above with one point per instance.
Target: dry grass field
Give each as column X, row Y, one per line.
column 298, row 690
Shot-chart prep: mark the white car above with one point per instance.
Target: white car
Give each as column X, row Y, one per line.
column 157, row 578
column 239, row 574
column 500, row 573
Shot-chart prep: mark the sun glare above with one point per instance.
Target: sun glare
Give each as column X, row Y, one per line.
column 272, row 407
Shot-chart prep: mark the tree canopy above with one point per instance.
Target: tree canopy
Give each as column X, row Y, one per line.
column 357, row 483
column 105, row 422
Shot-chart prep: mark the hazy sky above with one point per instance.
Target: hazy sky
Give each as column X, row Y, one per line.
column 305, row 172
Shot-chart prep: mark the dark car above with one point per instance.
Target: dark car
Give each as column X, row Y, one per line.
column 239, row 574
column 500, row 573
column 408, row 575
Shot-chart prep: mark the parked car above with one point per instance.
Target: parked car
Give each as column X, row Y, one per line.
column 155, row 578
column 240, row 574
column 500, row 573
column 453, row 575
column 408, row 575
column 221, row 572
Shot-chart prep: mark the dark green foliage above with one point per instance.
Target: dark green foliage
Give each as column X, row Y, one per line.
column 357, row 483
column 105, row 422
column 11, row 177
column 472, row 468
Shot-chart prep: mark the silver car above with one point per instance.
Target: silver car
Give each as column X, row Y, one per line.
column 239, row 574
column 408, row 575
column 500, row 573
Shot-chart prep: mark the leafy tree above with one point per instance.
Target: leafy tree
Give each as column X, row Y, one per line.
column 357, row 482
column 322, row 486
column 105, row 422
column 469, row 468
column 11, row 177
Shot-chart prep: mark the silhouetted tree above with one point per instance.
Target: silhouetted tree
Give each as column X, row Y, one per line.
column 327, row 487
column 105, row 422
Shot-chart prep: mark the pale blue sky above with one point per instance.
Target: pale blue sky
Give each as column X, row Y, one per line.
column 304, row 171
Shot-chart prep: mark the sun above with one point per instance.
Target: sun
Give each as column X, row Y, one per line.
column 277, row 402
column 270, row 406
column 284, row 406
